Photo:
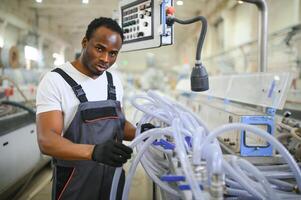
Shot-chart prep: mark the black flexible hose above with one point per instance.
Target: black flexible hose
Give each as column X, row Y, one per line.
column 171, row 20
column 20, row 105
column 199, row 76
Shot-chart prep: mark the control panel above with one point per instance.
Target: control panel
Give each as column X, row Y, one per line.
column 137, row 22
column 143, row 24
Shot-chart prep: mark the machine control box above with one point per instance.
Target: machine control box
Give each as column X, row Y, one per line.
column 143, row 24
column 215, row 112
column 137, row 22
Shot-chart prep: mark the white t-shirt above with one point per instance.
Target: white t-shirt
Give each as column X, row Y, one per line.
column 54, row 93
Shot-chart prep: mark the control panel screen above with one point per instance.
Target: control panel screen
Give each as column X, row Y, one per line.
column 136, row 19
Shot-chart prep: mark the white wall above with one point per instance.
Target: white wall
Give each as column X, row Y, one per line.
column 240, row 21
column 241, row 27
column 283, row 13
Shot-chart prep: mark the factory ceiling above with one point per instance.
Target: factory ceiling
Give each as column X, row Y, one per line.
column 68, row 19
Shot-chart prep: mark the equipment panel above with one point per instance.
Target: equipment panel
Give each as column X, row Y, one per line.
column 137, row 21
column 143, row 24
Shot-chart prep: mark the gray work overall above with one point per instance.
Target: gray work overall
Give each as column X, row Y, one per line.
column 94, row 123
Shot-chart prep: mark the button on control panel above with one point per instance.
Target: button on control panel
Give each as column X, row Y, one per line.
column 137, row 21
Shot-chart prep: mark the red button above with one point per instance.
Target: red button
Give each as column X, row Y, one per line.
column 170, row 10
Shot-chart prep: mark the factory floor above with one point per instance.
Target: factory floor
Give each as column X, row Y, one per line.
column 40, row 186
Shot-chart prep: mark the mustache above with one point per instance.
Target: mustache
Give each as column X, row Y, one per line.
column 103, row 65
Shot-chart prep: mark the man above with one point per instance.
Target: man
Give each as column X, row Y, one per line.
column 79, row 118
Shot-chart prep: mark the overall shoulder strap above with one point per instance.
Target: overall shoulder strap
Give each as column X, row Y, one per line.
column 77, row 89
column 111, row 87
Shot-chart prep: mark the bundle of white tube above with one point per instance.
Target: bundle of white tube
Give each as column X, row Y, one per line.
column 183, row 122
column 280, row 148
column 178, row 138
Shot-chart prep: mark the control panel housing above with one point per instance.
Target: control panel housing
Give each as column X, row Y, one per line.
column 143, row 24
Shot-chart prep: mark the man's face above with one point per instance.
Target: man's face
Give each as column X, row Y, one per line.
column 100, row 52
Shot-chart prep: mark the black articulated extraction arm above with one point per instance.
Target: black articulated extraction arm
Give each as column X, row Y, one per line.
column 199, row 75
column 20, row 105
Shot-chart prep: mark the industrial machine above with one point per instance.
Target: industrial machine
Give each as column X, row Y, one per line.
column 230, row 102
column 189, row 159
column 20, row 155
column 290, row 134
column 222, row 143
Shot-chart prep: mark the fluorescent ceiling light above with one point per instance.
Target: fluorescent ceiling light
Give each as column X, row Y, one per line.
column 85, row 1
column 39, row 1
column 180, row 3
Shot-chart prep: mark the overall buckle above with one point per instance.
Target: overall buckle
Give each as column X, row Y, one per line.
column 78, row 90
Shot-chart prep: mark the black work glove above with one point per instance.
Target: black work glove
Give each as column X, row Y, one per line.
column 146, row 127
column 111, row 153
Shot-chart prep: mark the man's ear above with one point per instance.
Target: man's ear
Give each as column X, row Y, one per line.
column 84, row 42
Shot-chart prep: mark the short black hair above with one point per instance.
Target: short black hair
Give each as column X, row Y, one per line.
column 106, row 22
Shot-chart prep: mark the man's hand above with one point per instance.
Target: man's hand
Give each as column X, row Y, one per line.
column 111, row 153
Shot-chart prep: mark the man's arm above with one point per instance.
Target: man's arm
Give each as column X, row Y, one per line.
column 49, row 129
column 129, row 131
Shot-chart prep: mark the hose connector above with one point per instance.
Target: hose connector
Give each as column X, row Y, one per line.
column 170, row 20
column 199, row 78
column 217, row 187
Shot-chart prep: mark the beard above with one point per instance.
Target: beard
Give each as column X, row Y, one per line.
column 92, row 68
